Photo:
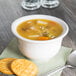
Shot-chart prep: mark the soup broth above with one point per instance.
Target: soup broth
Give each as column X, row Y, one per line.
column 39, row 29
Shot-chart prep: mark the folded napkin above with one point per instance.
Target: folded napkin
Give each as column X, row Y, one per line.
column 59, row 60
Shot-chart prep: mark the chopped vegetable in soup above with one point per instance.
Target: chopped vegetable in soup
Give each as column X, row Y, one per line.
column 39, row 29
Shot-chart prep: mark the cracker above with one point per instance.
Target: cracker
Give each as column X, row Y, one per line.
column 5, row 65
column 23, row 67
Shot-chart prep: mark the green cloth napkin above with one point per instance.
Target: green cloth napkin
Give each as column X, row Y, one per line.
column 59, row 60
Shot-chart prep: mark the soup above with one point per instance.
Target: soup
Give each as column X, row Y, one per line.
column 39, row 29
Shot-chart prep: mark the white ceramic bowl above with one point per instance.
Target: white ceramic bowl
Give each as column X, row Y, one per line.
column 39, row 50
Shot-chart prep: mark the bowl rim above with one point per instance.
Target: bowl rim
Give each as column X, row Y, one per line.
column 37, row 41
